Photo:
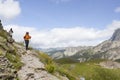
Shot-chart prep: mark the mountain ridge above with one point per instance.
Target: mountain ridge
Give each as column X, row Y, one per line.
column 108, row 49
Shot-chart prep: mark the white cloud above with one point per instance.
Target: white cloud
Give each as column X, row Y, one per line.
column 63, row 37
column 9, row 8
column 117, row 10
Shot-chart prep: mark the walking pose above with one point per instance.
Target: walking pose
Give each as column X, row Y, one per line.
column 26, row 38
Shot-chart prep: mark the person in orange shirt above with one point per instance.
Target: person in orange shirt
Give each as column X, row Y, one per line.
column 26, row 38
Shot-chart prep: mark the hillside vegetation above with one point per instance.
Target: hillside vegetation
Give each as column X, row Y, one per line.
column 90, row 70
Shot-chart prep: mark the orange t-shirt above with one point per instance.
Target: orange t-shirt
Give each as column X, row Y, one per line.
column 27, row 37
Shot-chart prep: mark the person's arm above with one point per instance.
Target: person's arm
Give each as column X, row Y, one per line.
column 29, row 37
column 24, row 37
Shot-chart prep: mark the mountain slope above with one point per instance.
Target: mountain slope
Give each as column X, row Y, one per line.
column 18, row 64
column 111, row 47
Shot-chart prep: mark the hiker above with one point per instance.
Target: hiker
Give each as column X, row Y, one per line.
column 1, row 27
column 9, row 38
column 26, row 38
column 10, row 32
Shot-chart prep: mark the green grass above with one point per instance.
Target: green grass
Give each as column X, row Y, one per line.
column 65, row 61
column 1, row 53
column 49, row 64
column 106, row 74
column 52, row 67
column 15, row 60
column 91, row 71
column 45, row 58
column 3, row 34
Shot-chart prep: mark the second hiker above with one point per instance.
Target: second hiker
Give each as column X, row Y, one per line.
column 10, row 32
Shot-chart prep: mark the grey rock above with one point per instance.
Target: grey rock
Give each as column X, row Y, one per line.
column 116, row 35
column 10, row 39
column 110, row 64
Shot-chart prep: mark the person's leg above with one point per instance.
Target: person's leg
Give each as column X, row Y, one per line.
column 27, row 43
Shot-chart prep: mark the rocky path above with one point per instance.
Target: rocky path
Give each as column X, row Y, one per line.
column 33, row 69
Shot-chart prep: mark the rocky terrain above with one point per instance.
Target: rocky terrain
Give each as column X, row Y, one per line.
column 18, row 64
column 33, row 68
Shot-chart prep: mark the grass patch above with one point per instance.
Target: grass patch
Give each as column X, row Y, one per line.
column 3, row 34
column 1, row 53
column 65, row 61
column 92, row 71
column 45, row 58
column 52, row 67
column 49, row 64
column 65, row 72
column 106, row 74
column 15, row 60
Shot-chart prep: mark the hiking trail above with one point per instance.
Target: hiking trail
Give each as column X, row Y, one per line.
column 33, row 69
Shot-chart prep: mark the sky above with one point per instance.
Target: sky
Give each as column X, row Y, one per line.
column 61, row 23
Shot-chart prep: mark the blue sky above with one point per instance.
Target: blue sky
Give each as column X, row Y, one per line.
column 51, row 16
column 46, row 14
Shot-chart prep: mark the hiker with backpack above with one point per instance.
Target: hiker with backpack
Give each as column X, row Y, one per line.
column 10, row 32
column 26, row 38
column 9, row 38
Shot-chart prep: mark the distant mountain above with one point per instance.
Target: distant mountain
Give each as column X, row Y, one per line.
column 66, row 52
column 109, row 49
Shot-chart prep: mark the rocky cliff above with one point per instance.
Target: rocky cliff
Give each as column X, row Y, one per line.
column 110, row 48
column 116, row 35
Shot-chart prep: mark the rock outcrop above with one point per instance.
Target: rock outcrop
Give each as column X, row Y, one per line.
column 6, row 70
column 110, row 64
column 116, row 35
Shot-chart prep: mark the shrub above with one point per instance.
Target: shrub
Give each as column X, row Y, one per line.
column 50, row 68
column 66, row 73
column 45, row 58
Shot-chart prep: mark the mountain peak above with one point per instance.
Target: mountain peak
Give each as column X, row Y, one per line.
column 116, row 35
